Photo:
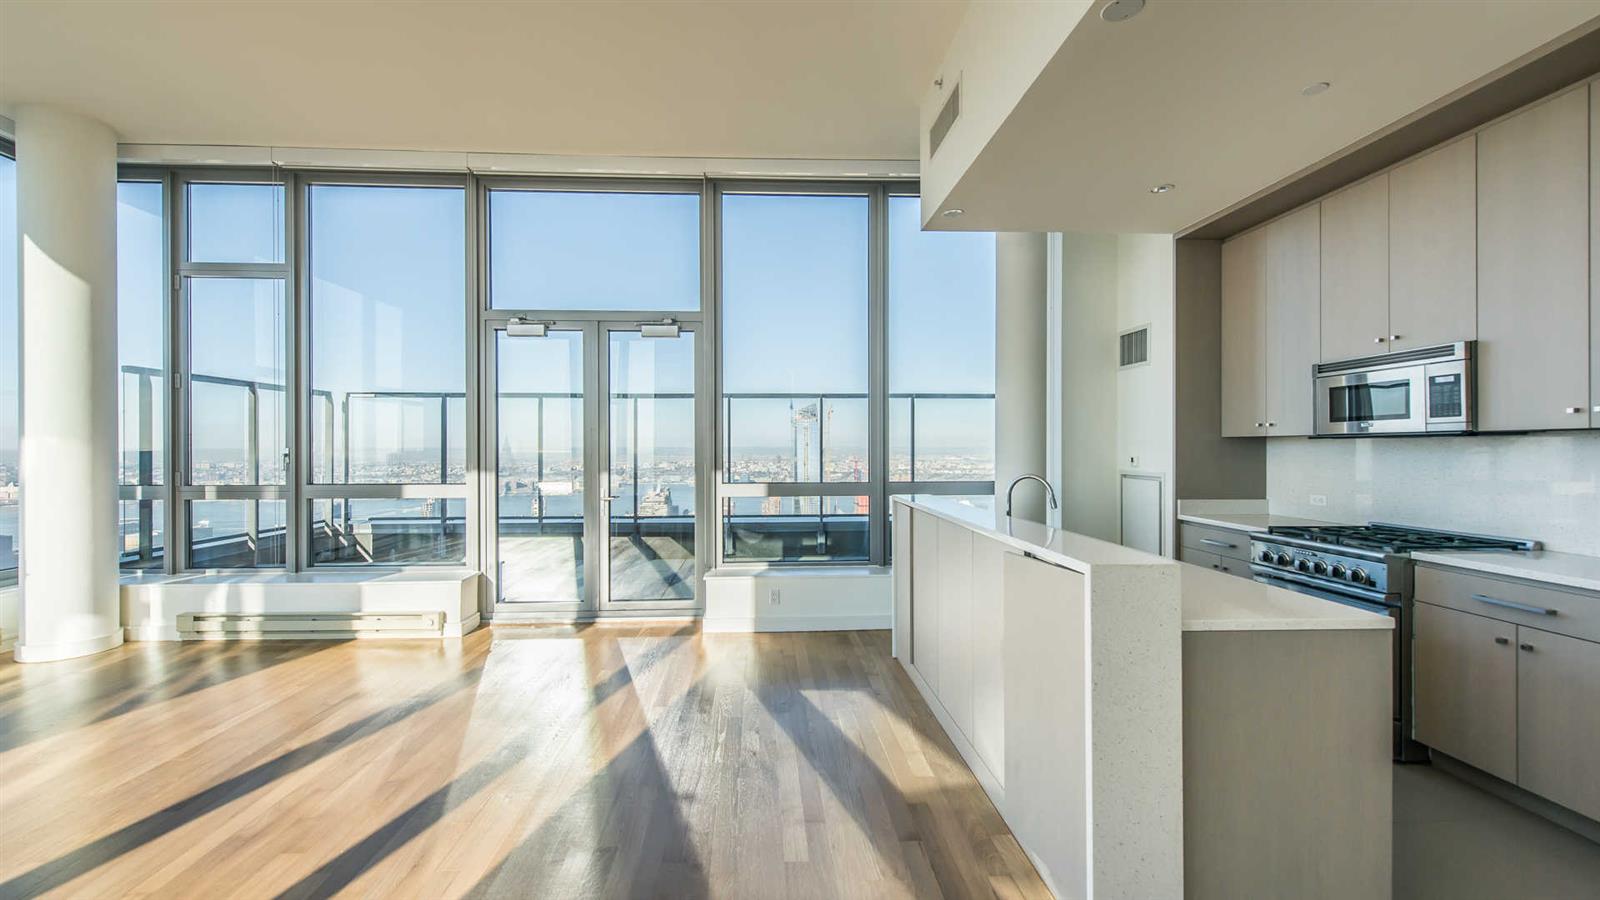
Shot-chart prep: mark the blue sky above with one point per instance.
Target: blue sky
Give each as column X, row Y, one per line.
column 388, row 276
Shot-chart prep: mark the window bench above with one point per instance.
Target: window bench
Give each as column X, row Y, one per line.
column 798, row 598
column 337, row 604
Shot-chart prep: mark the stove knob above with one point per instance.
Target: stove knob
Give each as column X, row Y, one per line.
column 1319, row 567
column 1303, row 565
column 1284, row 559
column 1266, row 556
column 1358, row 576
column 1337, row 571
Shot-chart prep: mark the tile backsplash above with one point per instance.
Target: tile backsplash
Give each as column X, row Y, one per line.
column 1540, row 486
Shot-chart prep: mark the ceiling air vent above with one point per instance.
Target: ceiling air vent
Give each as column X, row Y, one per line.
column 947, row 117
column 1133, row 347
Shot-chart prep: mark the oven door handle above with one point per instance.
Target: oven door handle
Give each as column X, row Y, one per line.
column 1371, row 601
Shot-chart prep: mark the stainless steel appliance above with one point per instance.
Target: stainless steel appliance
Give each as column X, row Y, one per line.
column 1424, row 391
column 1367, row 567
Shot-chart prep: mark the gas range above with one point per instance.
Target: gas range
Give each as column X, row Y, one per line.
column 1370, row 561
column 1368, row 567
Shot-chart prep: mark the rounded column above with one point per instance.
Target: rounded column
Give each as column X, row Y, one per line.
column 1021, row 263
column 67, row 229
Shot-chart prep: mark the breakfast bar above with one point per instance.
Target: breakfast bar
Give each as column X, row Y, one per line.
column 1116, row 706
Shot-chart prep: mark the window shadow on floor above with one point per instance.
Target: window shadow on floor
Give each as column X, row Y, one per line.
column 91, row 856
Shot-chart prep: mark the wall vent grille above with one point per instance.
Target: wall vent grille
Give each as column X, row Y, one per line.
column 1133, row 347
column 946, row 118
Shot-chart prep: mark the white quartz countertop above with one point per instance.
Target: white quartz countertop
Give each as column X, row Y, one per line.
column 1211, row 600
column 1566, row 569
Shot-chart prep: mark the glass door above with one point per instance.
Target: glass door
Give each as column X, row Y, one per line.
column 593, row 431
column 542, row 442
column 651, row 502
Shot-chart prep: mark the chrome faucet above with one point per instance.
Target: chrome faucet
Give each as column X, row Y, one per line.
column 1049, row 492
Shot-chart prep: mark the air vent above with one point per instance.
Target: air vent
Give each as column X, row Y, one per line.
column 946, row 118
column 1134, row 347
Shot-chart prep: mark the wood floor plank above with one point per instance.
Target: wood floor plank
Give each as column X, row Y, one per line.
column 605, row 760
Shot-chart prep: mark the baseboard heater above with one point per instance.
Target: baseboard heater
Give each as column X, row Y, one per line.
column 307, row 626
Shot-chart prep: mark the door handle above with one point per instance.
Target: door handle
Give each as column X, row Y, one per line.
column 1377, row 340
column 1512, row 604
column 1527, row 647
column 1573, row 410
column 1502, row 641
column 1213, row 542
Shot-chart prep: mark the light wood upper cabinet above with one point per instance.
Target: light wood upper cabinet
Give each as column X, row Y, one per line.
column 1244, row 302
column 1533, row 267
column 1355, row 271
column 1465, row 687
column 1558, row 719
column 1594, row 254
column 1433, row 248
column 1293, row 292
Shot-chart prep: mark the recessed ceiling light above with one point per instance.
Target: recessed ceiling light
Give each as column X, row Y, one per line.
column 952, row 212
column 1162, row 188
column 1121, row 10
column 1315, row 88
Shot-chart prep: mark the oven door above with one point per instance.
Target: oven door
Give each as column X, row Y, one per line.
column 1381, row 401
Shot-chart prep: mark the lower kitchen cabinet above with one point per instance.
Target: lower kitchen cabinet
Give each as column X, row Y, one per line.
column 1464, row 691
column 1224, row 564
column 1519, row 702
column 1558, row 719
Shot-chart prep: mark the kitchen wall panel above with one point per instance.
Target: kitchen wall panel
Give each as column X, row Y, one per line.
column 1541, row 486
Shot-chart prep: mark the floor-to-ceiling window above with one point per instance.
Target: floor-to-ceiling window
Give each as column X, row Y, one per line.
column 10, row 513
column 683, row 374
column 795, row 308
column 940, row 354
column 387, row 400
column 595, row 304
column 235, row 358
column 142, row 392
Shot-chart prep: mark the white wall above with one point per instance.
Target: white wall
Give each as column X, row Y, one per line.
column 1088, row 373
column 1540, row 486
column 1114, row 421
column 1145, row 393
column 996, row 54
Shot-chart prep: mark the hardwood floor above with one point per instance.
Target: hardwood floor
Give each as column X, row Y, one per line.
column 592, row 761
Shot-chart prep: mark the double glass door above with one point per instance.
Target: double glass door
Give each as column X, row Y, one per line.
column 596, row 492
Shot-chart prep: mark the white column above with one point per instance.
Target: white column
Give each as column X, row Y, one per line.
column 67, row 228
column 1021, row 289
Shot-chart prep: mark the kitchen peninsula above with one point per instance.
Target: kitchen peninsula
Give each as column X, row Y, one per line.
column 1147, row 728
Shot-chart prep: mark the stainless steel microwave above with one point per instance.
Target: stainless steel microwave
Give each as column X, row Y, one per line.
column 1429, row 390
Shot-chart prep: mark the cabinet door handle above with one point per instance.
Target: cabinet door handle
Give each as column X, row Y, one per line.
column 1512, row 604
column 1394, row 337
column 1377, row 340
column 1261, row 424
column 1574, row 410
column 1213, row 542
column 1527, row 647
column 1272, row 424
column 1502, row 641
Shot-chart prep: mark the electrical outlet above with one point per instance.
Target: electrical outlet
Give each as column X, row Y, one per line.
column 1319, row 499
column 775, row 597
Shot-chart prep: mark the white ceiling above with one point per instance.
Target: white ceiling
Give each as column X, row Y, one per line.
column 780, row 79
column 1206, row 95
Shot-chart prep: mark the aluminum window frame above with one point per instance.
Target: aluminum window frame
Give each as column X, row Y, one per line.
column 595, row 325
column 308, row 491
column 876, row 194
column 162, row 492
column 180, row 475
